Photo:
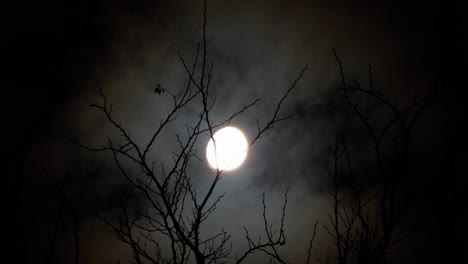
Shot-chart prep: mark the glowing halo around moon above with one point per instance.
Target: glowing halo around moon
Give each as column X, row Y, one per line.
column 230, row 151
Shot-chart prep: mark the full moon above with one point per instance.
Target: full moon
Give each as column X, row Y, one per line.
column 228, row 150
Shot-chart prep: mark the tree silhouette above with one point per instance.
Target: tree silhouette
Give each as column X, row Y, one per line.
column 169, row 230
column 363, row 223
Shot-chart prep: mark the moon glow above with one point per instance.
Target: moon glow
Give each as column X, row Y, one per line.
column 229, row 149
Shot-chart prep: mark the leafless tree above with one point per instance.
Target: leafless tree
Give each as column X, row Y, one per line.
column 362, row 224
column 68, row 198
column 169, row 230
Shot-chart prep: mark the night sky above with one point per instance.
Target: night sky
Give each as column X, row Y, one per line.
column 54, row 53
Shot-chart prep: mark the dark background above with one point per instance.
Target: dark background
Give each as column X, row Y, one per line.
column 51, row 51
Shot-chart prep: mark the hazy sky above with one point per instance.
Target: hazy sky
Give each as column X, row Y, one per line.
column 57, row 52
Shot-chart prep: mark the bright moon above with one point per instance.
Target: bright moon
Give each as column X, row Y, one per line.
column 230, row 151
